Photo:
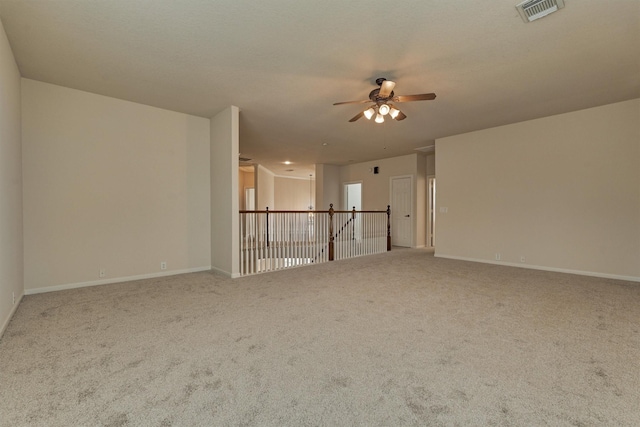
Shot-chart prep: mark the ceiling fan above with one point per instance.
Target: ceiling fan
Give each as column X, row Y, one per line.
column 382, row 98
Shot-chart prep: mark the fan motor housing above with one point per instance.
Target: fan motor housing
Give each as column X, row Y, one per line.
column 375, row 97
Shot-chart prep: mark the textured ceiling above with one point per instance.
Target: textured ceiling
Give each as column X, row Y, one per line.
column 284, row 63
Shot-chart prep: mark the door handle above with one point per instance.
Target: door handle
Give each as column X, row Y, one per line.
column 406, row 216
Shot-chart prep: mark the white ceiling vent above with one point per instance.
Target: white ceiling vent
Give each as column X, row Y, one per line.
column 531, row 10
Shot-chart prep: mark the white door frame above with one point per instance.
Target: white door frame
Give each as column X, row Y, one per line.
column 431, row 214
column 413, row 203
column 344, row 195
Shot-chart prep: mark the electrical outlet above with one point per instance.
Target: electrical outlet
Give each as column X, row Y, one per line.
column 102, row 273
column 498, row 256
column 163, row 265
column 523, row 259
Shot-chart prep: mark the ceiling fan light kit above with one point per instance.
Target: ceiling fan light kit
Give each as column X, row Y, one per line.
column 381, row 98
column 369, row 113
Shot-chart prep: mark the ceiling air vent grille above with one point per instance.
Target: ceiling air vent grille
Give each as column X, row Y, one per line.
column 531, row 10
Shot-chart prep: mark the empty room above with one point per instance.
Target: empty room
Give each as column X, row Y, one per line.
column 285, row 213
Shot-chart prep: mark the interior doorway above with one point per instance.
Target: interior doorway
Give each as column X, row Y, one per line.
column 353, row 196
column 353, row 200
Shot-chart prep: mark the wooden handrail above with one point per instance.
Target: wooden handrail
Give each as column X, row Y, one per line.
column 308, row 211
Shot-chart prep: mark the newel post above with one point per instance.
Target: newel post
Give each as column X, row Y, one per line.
column 331, row 232
column 388, row 227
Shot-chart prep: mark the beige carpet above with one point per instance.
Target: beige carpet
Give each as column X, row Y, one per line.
column 396, row 339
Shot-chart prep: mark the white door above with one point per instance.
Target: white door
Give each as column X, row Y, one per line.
column 401, row 202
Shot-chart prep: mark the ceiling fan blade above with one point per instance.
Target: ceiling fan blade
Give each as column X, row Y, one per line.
column 401, row 116
column 386, row 88
column 420, row 97
column 352, row 102
column 357, row 116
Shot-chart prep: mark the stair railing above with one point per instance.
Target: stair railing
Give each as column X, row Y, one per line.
column 272, row 240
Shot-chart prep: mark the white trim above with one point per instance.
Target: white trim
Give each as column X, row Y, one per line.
column 113, row 280
column 11, row 313
column 226, row 273
column 344, row 195
column 543, row 268
column 430, row 220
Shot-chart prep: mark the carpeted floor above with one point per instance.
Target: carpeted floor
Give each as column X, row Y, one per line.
column 397, row 339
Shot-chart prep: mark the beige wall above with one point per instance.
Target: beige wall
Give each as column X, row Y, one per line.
column 431, row 164
column 11, row 257
column 376, row 190
column 265, row 196
column 327, row 187
column 224, row 134
column 113, row 185
column 562, row 191
column 292, row 194
column 245, row 180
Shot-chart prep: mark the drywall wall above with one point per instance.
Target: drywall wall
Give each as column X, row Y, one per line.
column 265, row 189
column 245, row 180
column 376, row 188
column 431, row 164
column 110, row 185
column 11, row 258
column 563, row 192
column 291, row 194
column 328, row 187
column 225, row 131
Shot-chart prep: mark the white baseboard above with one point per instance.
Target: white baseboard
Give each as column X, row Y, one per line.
column 11, row 313
column 220, row 271
column 225, row 273
column 541, row 267
column 112, row 280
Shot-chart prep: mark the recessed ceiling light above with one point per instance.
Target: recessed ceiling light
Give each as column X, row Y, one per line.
column 325, row 144
column 287, row 162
